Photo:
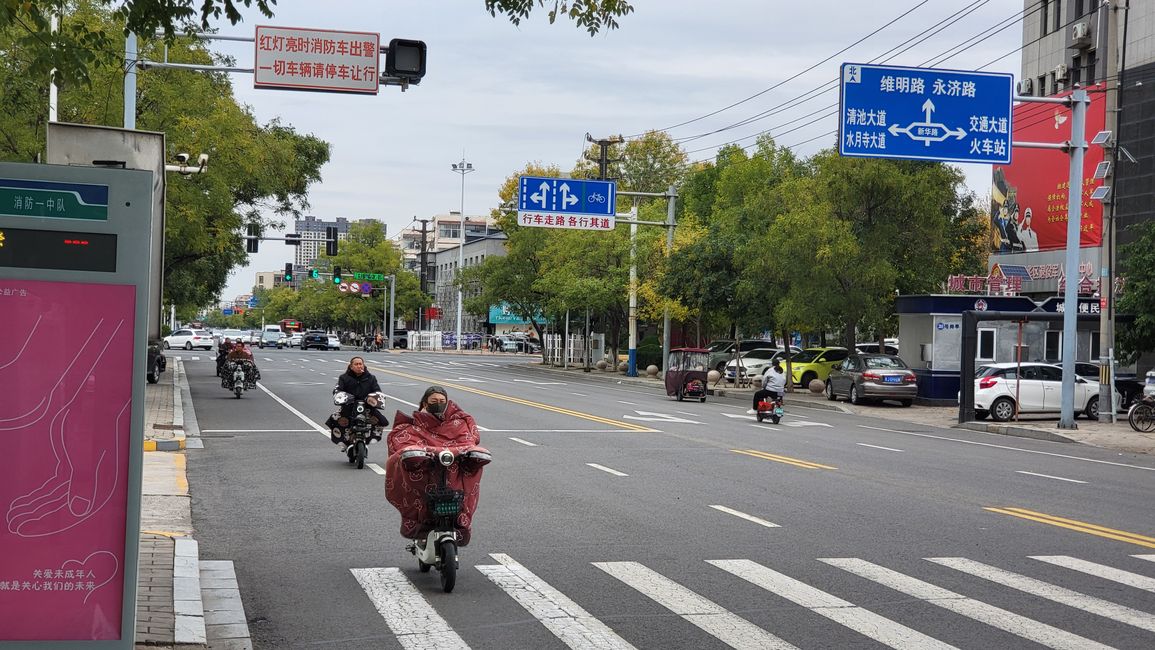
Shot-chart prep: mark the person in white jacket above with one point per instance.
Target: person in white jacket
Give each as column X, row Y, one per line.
column 773, row 384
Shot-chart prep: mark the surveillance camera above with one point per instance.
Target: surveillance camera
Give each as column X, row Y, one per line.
column 203, row 159
column 182, row 158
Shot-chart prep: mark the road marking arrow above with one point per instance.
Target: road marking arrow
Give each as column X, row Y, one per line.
column 566, row 199
column 540, row 196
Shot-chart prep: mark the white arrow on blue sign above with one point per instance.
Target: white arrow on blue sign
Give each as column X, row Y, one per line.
column 566, row 203
column 925, row 114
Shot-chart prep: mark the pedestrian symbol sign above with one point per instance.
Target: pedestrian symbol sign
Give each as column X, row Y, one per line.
column 925, row 114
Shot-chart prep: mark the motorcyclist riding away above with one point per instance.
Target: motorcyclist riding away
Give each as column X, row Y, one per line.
column 773, row 384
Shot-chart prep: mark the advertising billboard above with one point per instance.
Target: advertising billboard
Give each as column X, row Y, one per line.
column 1029, row 196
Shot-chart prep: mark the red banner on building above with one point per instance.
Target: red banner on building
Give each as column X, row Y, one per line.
column 1029, row 196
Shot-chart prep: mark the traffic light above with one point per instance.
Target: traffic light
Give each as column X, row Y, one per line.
column 336, row 275
column 288, row 271
column 253, row 239
column 406, row 60
column 314, row 274
column 331, row 241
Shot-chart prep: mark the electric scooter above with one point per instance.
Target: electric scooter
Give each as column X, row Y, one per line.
column 770, row 407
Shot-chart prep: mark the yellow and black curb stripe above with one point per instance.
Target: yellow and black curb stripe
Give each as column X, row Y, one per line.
column 164, row 445
column 1076, row 525
column 797, row 462
column 524, row 402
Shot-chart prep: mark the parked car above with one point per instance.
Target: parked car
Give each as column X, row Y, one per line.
column 872, row 348
column 271, row 338
column 401, row 338
column 155, row 361
column 863, row 377
column 751, row 364
column 189, row 339
column 294, row 340
column 315, row 339
column 815, row 363
column 722, row 350
column 1033, row 387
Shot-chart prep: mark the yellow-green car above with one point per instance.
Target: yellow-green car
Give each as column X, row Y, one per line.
column 815, row 363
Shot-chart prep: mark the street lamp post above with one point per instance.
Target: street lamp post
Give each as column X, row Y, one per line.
column 462, row 168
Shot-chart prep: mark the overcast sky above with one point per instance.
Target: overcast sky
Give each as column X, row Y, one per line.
column 506, row 95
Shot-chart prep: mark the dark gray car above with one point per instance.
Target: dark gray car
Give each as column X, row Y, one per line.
column 863, row 377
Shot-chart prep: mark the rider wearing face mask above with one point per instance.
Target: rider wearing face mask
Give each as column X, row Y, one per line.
column 439, row 424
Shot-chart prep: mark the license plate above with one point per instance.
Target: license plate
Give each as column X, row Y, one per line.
column 892, row 379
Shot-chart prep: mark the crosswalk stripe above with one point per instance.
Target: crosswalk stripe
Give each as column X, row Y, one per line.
column 1109, row 573
column 560, row 615
column 1040, row 633
column 1149, row 558
column 1050, row 592
column 729, row 628
column 411, row 618
column 267, row 358
column 863, row 621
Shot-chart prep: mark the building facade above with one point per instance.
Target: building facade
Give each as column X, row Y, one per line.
column 268, row 280
column 441, row 232
column 444, row 267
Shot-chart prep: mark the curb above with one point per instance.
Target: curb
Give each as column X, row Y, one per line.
column 164, row 445
column 186, row 594
column 1011, row 430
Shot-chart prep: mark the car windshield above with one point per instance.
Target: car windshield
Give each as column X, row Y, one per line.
column 884, row 363
column 806, row 356
column 718, row 346
column 760, row 354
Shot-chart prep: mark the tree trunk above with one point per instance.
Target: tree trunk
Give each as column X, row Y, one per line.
column 789, row 356
column 850, row 326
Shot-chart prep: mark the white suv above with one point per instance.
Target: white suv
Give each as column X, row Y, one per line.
column 1036, row 387
column 189, row 339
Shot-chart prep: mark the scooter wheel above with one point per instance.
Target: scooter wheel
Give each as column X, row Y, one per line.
column 351, row 452
column 759, row 416
column 360, row 454
column 775, row 419
column 448, row 566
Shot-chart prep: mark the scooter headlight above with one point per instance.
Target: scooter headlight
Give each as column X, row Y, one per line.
column 445, row 457
column 360, row 408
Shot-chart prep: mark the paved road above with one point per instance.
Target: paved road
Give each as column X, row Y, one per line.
column 614, row 517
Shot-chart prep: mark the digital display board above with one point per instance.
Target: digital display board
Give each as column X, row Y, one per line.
column 57, row 249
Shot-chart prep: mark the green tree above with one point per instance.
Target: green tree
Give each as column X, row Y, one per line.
column 1138, row 297
column 367, row 250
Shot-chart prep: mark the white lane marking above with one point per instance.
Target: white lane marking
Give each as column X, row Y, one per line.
column 997, row 617
column 1057, row 478
column 845, row 613
column 1136, row 580
column 628, row 403
column 557, row 431
column 376, row 468
column 1149, row 558
column 560, row 615
column 524, row 442
column 316, row 427
column 266, row 358
column 256, row 430
column 1061, row 595
column 707, row 615
column 863, row 444
column 606, row 469
column 541, row 383
column 1029, row 451
column 650, row 416
column 580, row 394
column 737, row 416
column 305, row 360
column 757, row 520
column 685, row 413
column 809, row 424
column 398, row 399
column 411, row 618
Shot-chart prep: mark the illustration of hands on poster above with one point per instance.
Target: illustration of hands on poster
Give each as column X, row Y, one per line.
column 66, row 361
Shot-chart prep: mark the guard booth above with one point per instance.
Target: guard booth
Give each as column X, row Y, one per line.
column 930, row 328
column 74, row 282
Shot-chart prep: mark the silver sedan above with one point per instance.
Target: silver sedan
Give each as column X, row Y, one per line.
column 863, row 377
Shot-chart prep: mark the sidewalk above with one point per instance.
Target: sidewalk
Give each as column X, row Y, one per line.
column 1119, row 436
column 182, row 602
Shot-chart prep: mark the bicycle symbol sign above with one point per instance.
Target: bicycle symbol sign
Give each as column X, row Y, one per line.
column 596, row 197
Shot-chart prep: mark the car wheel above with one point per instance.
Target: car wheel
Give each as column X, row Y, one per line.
column 153, row 375
column 1003, row 409
column 188, row 345
column 854, row 398
column 906, row 402
column 166, row 345
column 1092, row 411
column 830, row 392
column 808, row 377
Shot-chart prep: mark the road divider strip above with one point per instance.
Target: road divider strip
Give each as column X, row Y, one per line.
column 797, row 462
column 1076, row 525
column 524, row 402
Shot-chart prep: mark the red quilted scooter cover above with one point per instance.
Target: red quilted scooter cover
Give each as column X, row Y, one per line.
column 406, row 489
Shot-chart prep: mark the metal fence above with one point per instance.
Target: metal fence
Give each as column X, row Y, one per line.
column 560, row 351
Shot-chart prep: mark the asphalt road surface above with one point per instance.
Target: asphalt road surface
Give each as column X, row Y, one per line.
column 615, row 517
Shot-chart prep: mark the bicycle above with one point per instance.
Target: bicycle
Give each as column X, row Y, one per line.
column 1141, row 415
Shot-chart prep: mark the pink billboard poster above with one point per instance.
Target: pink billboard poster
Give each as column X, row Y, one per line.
column 66, row 360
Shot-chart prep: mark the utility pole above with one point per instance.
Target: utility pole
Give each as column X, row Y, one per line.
column 1116, row 63
column 424, row 249
column 603, row 160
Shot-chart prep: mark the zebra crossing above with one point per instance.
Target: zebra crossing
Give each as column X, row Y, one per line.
column 400, row 597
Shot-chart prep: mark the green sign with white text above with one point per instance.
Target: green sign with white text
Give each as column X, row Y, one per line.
column 35, row 198
column 369, row 276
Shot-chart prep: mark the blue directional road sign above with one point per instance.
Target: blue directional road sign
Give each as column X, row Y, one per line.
column 252, row 302
column 227, row 312
column 566, row 203
column 925, row 114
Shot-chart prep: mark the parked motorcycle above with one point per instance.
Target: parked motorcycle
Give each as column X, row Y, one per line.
column 358, row 430
column 770, row 408
column 439, row 548
column 238, row 376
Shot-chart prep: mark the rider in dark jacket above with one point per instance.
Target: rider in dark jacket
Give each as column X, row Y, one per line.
column 360, row 383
